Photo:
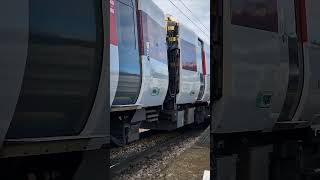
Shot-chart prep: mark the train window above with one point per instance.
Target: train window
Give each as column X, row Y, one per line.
column 188, row 55
column 258, row 14
column 127, row 26
column 155, row 35
column 62, row 70
column 129, row 61
column 127, row 2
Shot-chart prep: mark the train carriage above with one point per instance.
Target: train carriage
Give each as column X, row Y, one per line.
column 267, row 67
column 143, row 73
column 142, row 60
column 188, row 66
column 266, row 89
column 54, row 85
column 147, row 83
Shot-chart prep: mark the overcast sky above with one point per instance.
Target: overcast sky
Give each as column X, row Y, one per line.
column 199, row 8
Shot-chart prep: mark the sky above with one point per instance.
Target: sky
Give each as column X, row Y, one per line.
column 200, row 11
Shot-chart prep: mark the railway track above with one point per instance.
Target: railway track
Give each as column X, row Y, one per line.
column 119, row 163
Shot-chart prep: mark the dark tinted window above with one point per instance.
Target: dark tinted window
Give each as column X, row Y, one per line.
column 129, row 61
column 127, row 2
column 62, row 71
column 127, row 24
column 259, row 14
column 188, row 55
column 154, row 38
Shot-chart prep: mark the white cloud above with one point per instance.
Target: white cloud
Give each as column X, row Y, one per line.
column 200, row 11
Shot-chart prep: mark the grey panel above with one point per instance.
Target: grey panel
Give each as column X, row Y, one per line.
column 13, row 50
column 311, row 108
column 309, row 105
column 293, row 49
column 94, row 165
column 62, row 70
column 99, row 119
column 189, row 118
column 139, row 115
column 30, row 147
column 253, row 65
column 259, row 161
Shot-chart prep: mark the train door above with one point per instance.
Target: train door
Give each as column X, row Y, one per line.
column 201, row 68
column 291, row 49
column 129, row 62
column 189, row 77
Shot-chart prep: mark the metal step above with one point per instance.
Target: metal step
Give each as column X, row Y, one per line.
column 117, row 108
column 153, row 119
column 152, row 115
column 151, row 111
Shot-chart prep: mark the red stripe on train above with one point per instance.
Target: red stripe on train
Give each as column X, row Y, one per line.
column 113, row 24
column 141, row 30
column 204, row 63
column 303, row 21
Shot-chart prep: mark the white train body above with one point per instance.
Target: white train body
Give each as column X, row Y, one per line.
column 189, row 67
column 153, row 55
